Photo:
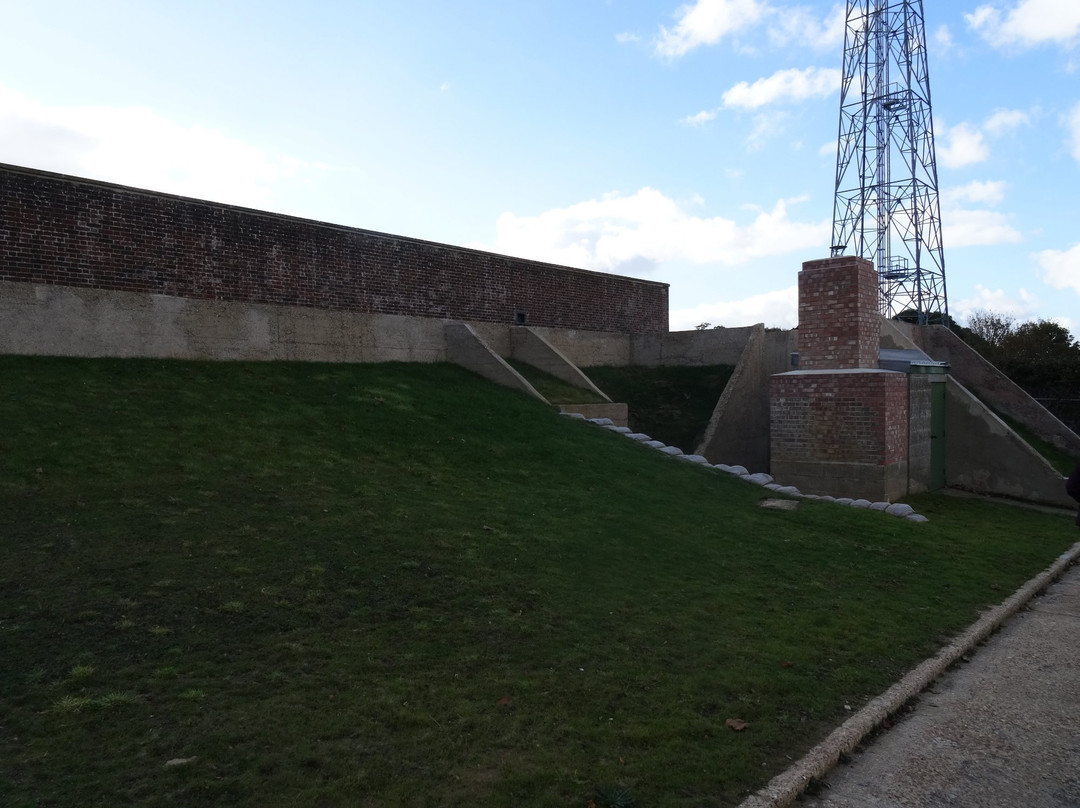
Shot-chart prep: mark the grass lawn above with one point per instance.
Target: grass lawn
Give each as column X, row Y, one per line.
column 300, row 584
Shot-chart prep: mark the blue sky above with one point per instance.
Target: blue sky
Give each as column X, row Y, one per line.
column 692, row 143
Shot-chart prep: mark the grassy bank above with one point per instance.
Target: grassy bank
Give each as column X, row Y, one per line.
column 300, row 584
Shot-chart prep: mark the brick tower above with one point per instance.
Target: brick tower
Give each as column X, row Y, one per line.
column 839, row 424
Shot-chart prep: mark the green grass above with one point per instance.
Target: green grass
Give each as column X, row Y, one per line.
column 303, row 584
column 554, row 389
column 671, row 404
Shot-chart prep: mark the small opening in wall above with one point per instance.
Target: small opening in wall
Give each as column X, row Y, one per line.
column 520, row 318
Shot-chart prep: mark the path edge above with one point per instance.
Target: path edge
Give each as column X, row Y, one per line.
column 785, row 788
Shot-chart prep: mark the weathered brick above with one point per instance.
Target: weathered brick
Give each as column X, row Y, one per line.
column 67, row 231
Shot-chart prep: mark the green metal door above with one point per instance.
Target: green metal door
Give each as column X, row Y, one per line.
column 937, row 435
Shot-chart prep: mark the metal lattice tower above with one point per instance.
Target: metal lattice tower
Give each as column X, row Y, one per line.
column 886, row 204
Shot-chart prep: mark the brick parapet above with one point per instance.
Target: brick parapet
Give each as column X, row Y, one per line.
column 74, row 232
column 839, row 324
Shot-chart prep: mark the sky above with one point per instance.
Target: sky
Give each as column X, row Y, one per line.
column 692, row 143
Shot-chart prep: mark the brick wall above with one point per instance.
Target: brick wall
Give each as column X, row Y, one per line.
column 839, row 325
column 74, row 232
column 840, row 417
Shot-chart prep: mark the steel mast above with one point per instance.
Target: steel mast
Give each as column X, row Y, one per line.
column 886, row 202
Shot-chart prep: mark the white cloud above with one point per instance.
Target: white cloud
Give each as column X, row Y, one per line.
column 800, row 26
column 1028, row 23
column 627, row 38
column 777, row 309
column 983, row 17
column 977, row 228
column 1002, row 121
column 965, row 144
column 962, row 145
column 989, row 193
column 790, row 85
column 136, row 146
column 700, row 118
column 944, row 40
column 635, row 234
column 766, row 125
column 1021, row 305
column 1072, row 125
column 962, row 227
column 706, row 22
column 1061, row 269
column 784, row 85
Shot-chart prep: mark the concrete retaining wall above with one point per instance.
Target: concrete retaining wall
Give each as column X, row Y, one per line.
column 738, row 431
column 713, row 346
column 618, row 413
column 65, row 321
column 529, row 347
column 985, row 456
column 588, row 348
column 465, row 347
column 56, row 320
column 993, row 386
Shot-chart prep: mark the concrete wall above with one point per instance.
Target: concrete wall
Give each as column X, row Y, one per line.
column 66, row 231
column 738, row 431
column 919, row 423
column 898, row 334
column 55, row 320
column 985, row 456
column 467, row 348
column 712, row 346
column 65, row 321
column 993, row 386
column 73, row 321
column 617, row 412
column 588, row 348
column 529, row 347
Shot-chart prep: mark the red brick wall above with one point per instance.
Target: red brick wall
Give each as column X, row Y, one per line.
column 839, row 325
column 839, row 417
column 68, row 231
